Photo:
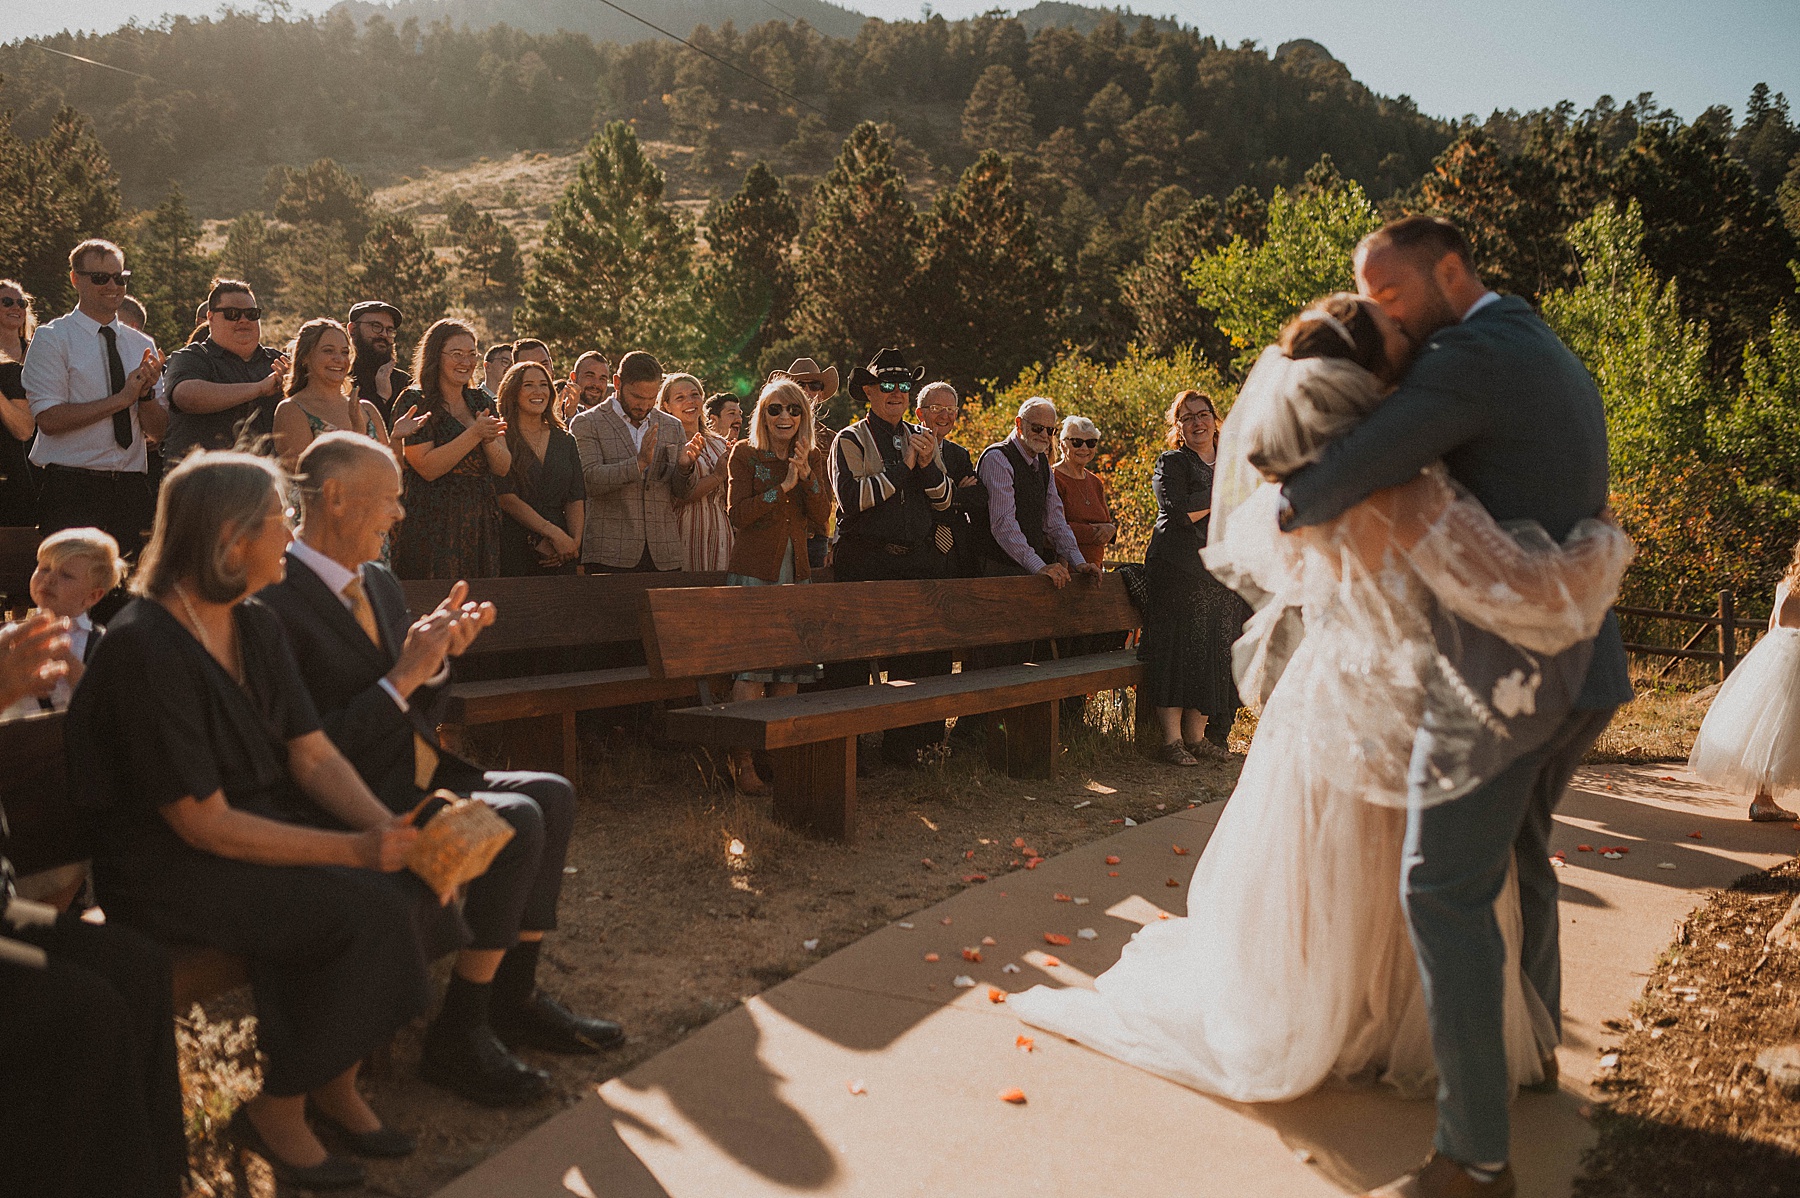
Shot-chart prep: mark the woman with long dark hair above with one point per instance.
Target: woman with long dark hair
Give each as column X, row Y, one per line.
column 543, row 497
column 318, row 401
column 452, row 528
column 18, row 490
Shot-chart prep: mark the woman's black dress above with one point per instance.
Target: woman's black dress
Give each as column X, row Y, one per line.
column 335, row 962
column 452, row 526
column 1192, row 618
column 546, row 486
column 18, row 485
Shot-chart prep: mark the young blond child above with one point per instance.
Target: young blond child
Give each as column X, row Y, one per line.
column 75, row 569
column 1750, row 739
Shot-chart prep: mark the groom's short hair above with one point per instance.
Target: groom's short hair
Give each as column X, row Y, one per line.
column 1424, row 239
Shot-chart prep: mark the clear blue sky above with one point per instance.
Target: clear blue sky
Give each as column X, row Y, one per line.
column 1452, row 56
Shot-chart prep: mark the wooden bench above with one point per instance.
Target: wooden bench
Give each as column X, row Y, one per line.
column 559, row 645
column 50, row 843
column 812, row 736
column 18, row 558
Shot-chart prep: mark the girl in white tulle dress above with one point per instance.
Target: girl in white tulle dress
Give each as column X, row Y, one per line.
column 1295, row 965
column 1750, row 739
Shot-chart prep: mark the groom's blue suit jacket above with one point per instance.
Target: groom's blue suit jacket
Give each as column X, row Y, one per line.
column 1517, row 420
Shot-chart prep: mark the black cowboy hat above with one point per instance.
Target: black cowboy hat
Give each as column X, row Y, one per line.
column 887, row 366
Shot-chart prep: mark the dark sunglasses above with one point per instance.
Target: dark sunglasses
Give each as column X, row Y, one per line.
column 101, row 278
column 7, row 301
column 793, row 409
column 1083, row 442
column 1042, row 430
column 903, row 388
column 811, row 384
column 236, row 314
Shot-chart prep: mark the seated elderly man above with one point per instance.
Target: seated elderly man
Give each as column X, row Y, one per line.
column 1025, row 531
column 374, row 674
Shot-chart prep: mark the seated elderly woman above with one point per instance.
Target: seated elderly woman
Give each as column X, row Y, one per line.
column 193, row 739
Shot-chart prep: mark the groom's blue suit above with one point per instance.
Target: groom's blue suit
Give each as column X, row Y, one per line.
column 1513, row 414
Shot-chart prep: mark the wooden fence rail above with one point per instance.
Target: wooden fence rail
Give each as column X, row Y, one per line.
column 1724, row 622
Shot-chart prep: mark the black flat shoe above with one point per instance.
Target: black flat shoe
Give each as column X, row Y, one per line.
column 473, row 1063
column 383, row 1144
column 543, row 1023
column 332, row 1173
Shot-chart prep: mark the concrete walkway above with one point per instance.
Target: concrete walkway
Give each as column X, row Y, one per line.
column 870, row 1074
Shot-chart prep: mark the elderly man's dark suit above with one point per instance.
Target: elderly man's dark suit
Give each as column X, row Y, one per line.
column 1516, row 419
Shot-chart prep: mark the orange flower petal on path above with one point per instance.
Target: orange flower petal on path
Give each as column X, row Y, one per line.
column 1584, row 848
column 1028, row 851
column 1034, row 862
column 1171, row 882
column 1062, row 898
column 1695, row 836
column 975, row 877
column 1179, row 851
column 969, row 856
column 1050, row 962
column 1056, row 938
column 989, row 941
column 1112, row 860
column 1018, row 842
column 945, row 921
column 972, row 954
column 1112, row 873
column 1024, row 1044
column 857, row 1087
column 995, row 994
column 1014, row 1096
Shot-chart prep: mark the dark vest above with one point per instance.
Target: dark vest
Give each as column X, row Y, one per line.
column 1031, row 504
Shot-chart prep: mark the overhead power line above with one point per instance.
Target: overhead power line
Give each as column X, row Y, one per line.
column 728, row 65
column 92, row 62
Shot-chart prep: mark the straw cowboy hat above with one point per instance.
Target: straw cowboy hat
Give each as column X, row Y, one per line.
column 804, row 371
column 887, row 366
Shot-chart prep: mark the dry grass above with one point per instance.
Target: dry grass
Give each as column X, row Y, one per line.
column 1661, row 722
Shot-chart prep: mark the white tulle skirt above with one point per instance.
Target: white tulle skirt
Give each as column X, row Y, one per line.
column 1750, row 739
column 1294, row 965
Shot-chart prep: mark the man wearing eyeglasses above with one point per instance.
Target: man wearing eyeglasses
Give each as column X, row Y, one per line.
column 226, row 385
column 1025, row 531
column 91, row 383
column 374, row 374
column 939, row 406
column 889, row 479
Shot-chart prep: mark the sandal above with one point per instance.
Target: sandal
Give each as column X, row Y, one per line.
column 1771, row 814
column 1175, row 753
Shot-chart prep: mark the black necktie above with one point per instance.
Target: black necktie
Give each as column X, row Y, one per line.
column 115, row 375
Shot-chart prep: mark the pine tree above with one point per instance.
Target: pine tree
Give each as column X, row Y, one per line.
column 252, row 253
column 490, row 256
column 616, row 267
column 323, row 193
column 315, row 262
column 397, row 266
column 1168, row 314
column 170, row 272
column 748, row 282
column 857, row 262
column 991, row 292
column 998, row 114
column 55, row 191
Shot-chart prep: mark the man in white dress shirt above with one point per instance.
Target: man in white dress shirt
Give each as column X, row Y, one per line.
column 91, row 381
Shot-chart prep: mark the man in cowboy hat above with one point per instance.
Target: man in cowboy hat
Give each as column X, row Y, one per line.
column 889, row 479
column 820, row 386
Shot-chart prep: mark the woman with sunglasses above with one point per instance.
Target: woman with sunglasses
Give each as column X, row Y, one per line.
column 777, row 494
column 227, row 385
column 452, row 527
column 1083, row 495
column 18, row 490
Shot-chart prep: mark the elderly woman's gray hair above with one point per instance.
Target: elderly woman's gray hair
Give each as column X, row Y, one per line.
column 206, row 505
column 1079, row 426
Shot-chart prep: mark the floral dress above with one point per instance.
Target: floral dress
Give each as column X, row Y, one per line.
column 452, row 527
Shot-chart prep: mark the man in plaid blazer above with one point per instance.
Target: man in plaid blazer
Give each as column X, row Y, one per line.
column 636, row 461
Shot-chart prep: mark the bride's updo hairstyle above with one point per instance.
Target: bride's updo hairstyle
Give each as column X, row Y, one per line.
column 1331, row 380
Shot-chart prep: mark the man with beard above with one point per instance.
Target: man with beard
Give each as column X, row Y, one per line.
column 374, row 375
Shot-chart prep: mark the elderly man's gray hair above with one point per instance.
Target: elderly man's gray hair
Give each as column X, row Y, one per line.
column 1036, row 401
column 333, row 455
column 939, row 388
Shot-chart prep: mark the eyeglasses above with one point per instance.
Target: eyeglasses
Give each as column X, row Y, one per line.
column 1082, row 442
column 1194, row 417
column 1042, row 430
column 810, row 384
column 101, row 278
column 7, row 301
column 793, row 409
column 236, row 314
column 462, row 355
column 937, row 407
column 902, row 388
column 377, row 328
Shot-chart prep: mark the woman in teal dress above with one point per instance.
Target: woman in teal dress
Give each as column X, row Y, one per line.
column 453, row 527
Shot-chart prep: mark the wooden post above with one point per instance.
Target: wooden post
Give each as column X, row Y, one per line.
column 815, row 788
column 1027, row 746
column 1727, row 635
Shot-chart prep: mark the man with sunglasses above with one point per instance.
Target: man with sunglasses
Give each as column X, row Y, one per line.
column 227, row 384
column 375, row 375
column 888, row 476
column 91, row 383
column 1025, row 531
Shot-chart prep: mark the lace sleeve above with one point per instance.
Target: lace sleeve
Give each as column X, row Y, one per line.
column 1513, row 580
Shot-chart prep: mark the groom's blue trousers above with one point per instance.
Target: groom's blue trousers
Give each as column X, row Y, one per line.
column 1453, row 869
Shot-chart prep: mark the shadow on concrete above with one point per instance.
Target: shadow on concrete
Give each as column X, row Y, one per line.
column 581, row 1144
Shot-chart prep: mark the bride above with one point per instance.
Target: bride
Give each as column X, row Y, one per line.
column 1295, row 965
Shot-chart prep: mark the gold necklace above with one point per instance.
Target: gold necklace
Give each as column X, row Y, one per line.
column 236, row 666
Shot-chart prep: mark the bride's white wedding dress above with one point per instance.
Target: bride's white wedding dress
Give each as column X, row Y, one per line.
column 1294, row 964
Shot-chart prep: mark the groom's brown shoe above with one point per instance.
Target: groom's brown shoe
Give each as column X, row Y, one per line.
column 1441, row 1177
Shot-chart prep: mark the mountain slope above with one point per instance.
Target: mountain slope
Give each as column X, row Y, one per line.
column 605, row 24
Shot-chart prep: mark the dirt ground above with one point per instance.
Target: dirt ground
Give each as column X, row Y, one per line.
column 1687, row 1113
column 665, row 926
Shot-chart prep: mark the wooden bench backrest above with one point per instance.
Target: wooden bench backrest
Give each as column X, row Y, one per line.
column 44, row 830
column 559, row 612
column 18, row 558
column 695, row 633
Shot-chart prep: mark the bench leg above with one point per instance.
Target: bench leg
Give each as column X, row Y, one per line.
column 815, row 788
column 571, row 751
column 1023, row 740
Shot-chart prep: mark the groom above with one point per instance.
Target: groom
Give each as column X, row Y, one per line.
column 1515, row 417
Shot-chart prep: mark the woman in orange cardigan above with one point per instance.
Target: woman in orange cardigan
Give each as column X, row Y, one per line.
column 777, row 494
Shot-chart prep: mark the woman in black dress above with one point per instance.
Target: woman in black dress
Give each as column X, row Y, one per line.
column 543, row 496
column 18, row 489
column 452, row 528
column 194, row 740
column 1192, row 618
